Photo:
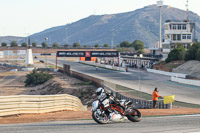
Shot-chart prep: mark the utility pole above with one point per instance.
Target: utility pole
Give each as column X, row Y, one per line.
column 112, row 42
column 160, row 4
column 187, row 11
column 46, row 39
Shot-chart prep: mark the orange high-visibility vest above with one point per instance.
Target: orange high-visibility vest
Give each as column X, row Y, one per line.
column 155, row 96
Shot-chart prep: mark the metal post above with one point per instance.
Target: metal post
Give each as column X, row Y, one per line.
column 112, row 42
column 160, row 4
column 56, row 61
column 46, row 52
column 118, row 59
column 160, row 28
column 139, row 83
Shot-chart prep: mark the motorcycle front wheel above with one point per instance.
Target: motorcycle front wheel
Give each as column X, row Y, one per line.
column 101, row 119
column 134, row 115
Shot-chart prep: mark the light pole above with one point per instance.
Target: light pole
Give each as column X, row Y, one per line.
column 66, row 35
column 112, row 38
column 46, row 39
column 160, row 4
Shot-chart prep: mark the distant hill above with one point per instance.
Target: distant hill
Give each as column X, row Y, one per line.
column 9, row 39
column 142, row 24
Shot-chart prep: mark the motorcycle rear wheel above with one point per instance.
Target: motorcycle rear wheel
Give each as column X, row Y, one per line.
column 136, row 117
column 100, row 120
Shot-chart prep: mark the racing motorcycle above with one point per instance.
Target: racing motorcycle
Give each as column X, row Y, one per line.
column 121, row 111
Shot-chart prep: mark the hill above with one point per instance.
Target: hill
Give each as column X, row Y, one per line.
column 9, row 39
column 142, row 24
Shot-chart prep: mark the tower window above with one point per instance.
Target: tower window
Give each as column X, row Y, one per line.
column 174, row 27
column 184, row 26
column 189, row 36
column 184, row 36
column 179, row 27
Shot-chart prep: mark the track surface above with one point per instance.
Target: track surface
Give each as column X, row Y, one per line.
column 170, row 124
column 184, row 93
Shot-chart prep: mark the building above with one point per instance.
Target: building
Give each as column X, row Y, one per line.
column 178, row 32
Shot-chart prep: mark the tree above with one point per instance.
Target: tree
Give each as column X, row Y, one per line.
column 14, row 44
column 176, row 54
column 44, row 45
column 124, row 44
column 191, row 54
column 34, row 44
column 55, row 45
column 140, row 51
column 106, row 45
column 24, row 44
column 96, row 45
column 76, row 45
column 137, row 45
column 3, row 44
column 198, row 55
column 179, row 45
column 85, row 46
column 66, row 45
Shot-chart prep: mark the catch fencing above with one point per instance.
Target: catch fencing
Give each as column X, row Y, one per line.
column 22, row 104
column 138, row 103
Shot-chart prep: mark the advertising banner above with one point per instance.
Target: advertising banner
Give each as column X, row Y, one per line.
column 87, row 53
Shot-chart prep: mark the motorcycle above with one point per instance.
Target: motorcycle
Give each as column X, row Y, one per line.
column 123, row 110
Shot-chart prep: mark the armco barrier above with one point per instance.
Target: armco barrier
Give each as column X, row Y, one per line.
column 168, row 73
column 20, row 104
column 186, row 81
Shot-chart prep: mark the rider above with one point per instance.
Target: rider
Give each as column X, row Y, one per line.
column 106, row 98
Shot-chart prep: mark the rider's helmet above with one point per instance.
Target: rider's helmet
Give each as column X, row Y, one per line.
column 99, row 91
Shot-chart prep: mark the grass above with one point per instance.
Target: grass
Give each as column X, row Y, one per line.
column 52, row 66
column 84, row 83
column 146, row 96
column 133, row 93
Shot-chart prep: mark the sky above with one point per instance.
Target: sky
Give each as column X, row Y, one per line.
column 26, row 17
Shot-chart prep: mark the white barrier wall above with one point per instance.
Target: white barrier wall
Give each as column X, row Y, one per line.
column 20, row 104
column 167, row 73
column 186, row 81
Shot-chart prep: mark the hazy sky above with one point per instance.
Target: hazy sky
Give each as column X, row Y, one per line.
column 25, row 17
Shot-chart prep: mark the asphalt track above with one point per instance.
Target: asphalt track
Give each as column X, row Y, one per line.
column 167, row 124
column 184, row 93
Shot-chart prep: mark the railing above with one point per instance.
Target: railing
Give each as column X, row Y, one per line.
column 20, row 104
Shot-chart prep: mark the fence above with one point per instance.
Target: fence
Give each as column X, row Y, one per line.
column 139, row 103
column 12, row 105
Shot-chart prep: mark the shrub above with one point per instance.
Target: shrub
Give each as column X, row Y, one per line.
column 36, row 78
column 176, row 54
